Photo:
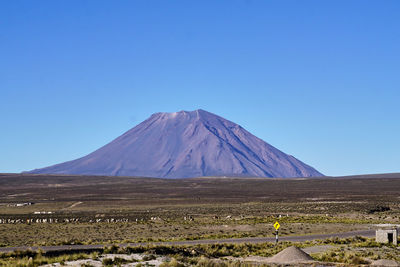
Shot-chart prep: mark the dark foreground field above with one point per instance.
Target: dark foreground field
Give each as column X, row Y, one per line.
column 145, row 191
column 93, row 209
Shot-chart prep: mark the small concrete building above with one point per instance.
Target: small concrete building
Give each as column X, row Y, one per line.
column 387, row 235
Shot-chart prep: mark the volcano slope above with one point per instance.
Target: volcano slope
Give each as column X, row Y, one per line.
column 186, row 144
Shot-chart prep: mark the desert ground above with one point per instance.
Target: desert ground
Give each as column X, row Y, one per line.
column 60, row 210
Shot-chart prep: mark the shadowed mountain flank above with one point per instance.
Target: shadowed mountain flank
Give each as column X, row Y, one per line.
column 186, row 144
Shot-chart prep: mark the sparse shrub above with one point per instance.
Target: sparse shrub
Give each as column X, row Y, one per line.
column 358, row 260
column 369, row 244
column 116, row 261
column 149, row 257
column 378, row 208
column 108, row 262
column 112, row 250
column 172, row 263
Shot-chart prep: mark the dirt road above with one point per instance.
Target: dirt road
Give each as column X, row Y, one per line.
column 365, row 233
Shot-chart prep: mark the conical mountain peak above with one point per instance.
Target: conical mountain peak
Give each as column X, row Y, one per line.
column 186, row 144
column 195, row 114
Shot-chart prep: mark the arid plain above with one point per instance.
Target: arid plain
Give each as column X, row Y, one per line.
column 43, row 210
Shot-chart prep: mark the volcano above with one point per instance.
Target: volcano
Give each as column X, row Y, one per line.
column 186, row 144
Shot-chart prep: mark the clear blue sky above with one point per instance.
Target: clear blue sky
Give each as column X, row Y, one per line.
column 319, row 80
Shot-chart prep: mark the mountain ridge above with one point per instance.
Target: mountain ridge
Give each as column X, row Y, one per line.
column 186, row 144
